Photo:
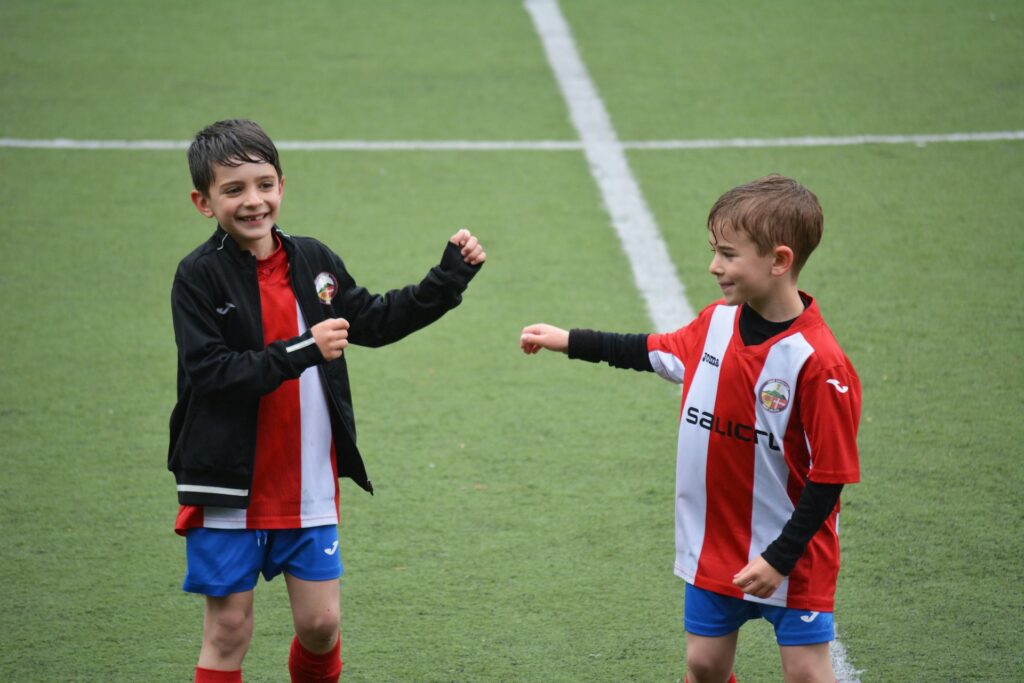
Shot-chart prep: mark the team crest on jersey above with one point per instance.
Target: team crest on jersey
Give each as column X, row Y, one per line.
column 326, row 287
column 774, row 395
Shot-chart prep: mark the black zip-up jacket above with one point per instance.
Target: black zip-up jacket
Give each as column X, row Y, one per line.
column 224, row 368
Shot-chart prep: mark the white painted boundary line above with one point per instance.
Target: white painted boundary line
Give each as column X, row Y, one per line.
column 653, row 270
column 843, row 669
column 529, row 145
column 818, row 141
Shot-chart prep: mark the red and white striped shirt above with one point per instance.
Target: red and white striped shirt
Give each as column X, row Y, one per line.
column 757, row 422
column 295, row 484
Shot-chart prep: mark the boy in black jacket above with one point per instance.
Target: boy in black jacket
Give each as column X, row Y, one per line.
column 263, row 426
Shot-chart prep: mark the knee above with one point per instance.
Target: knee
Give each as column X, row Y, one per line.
column 807, row 664
column 229, row 631
column 702, row 668
column 318, row 631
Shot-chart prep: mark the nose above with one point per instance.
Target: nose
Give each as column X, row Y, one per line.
column 715, row 267
column 252, row 197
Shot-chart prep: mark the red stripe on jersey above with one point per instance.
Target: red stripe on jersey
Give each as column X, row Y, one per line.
column 276, row 482
column 757, row 423
column 727, row 530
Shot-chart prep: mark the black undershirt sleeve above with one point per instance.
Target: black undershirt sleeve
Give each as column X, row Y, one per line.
column 628, row 351
column 815, row 505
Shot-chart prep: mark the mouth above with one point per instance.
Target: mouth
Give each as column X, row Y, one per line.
column 253, row 219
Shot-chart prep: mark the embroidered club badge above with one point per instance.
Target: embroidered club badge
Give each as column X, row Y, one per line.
column 326, row 287
column 774, row 395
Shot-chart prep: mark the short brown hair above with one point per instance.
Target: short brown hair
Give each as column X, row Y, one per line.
column 772, row 211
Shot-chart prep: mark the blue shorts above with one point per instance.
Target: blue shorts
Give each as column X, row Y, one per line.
column 225, row 561
column 713, row 615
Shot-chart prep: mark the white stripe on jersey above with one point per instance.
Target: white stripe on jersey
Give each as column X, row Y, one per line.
column 318, row 483
column 772, row 506
column 692, row 449
column 223, row 518
column 667, row 366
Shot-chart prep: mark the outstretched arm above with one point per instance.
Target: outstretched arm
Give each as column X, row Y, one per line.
column 628, row 351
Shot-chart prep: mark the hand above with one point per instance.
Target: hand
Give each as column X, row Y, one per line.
column 758, row 578
column 472, row 251
column 541, row 336
column 331, row 337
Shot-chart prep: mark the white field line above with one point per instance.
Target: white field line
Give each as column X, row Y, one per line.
column 653, row 271
column 529, row 145
column 843, row 669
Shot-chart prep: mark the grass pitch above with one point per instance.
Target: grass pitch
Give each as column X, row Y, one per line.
column 522, row 527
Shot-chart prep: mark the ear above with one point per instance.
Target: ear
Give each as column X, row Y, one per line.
column 782, row 260
column 202, row 203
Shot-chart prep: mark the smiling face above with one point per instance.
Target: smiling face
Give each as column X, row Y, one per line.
column 245, row 200
column 744, row 274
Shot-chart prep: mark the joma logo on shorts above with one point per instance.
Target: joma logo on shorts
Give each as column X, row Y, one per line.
column 735, row 430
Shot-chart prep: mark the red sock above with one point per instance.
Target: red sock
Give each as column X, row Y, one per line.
column 307, row 667
column 213, row 676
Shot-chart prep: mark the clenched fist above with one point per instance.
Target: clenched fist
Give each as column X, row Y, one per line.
column 331, row 337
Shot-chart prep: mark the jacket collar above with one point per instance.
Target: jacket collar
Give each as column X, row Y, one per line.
column 222, row 242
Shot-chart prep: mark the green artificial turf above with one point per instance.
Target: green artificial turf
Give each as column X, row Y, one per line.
column 522, row 526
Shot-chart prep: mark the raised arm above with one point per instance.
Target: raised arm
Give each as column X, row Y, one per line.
column 379, row 319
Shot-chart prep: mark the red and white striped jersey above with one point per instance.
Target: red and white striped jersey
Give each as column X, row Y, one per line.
column 757, row 422
column 295, row 484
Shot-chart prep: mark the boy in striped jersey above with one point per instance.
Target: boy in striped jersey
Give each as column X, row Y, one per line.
column 263, row 426
column 767, row 435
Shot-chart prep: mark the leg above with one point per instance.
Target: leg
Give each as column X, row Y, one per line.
column 315, row 656
column 227, row 630
column 710, row 660
column 316, row 612
column 807, row 663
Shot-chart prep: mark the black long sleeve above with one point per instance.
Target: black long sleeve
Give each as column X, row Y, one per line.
column 628, row 351
column 815, row 505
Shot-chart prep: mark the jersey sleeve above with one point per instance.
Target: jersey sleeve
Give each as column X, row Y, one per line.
column 830, row 411
column 669, row 351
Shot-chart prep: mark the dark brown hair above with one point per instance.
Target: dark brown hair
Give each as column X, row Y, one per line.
column 230, row 143
column 772, row 211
